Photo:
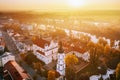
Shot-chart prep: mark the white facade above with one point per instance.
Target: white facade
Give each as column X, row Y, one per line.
column 105, row 77
column 94, row 39
column 27, row 26
column 46, row 53
column 86, row 56
column 18, row 40
column 42, row 26
column 6, row 57
column 116, row 44
column 61, row 64
column 22, row 47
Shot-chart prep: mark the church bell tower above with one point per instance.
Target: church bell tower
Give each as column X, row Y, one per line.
column 61, row 61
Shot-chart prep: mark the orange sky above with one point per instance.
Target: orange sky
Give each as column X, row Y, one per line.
column 61, row 5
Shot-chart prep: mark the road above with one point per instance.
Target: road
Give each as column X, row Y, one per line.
column 13, row 49
column 10, row 43
column 31, row 71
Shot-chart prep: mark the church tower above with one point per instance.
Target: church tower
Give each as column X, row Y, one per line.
column 61, row 62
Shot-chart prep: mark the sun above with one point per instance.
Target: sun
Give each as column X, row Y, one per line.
column 75, row 3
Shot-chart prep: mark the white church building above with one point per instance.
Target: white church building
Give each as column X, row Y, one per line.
column 45, row 50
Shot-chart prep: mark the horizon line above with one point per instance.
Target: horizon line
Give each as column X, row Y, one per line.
column 10, row 11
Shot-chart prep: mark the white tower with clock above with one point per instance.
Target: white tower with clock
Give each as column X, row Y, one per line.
column 61, row 61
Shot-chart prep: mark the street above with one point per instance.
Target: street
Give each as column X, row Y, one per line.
column 13, row 49
column 31, row 71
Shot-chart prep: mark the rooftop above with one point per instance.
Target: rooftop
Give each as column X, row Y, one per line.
column 40, row 42
column 6, row 54
column 16, row 71
column 68, row 48
column 80, row 66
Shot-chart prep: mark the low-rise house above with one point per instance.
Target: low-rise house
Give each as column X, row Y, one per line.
column 27, row 27
column 6, row 57
column 104, row 77
column 23, row 46
column 79, row 52
column 20, row 47
column 22, row 43
column 12, row 71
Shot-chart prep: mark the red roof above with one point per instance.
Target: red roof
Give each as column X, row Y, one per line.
column 68, row 48
column 78, row 50
column 40, row 52
column 41, row 42
column 16, row 71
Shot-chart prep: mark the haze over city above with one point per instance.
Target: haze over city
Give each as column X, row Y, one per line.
column 58, row 5
column 59, row 39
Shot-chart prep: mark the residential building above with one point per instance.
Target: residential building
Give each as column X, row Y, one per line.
column 22, row 43
column 79, row 52
column 12, row 71
column 6, row 57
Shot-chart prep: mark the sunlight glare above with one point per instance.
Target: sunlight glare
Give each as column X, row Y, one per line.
column 75, row 3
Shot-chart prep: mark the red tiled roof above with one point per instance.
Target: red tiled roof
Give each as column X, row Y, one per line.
column 16, row 71
column 40, row 52
column 78, row 50
column 68, row 48
column 40, row 42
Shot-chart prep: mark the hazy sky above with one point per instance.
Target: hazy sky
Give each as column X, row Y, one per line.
column 44, row 5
